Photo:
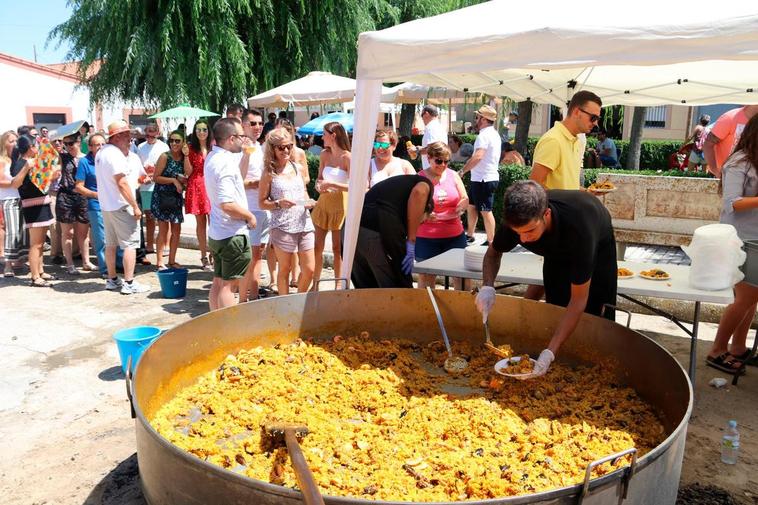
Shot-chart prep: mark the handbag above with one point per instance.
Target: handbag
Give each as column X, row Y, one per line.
column 169, row 201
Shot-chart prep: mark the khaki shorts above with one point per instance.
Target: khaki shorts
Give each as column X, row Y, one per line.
column 231, row 256
column 121, row 229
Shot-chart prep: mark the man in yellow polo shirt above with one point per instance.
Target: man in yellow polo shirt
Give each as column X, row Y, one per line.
column 559, row 152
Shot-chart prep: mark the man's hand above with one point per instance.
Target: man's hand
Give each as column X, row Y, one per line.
column 543, row 364
column 251, row 222
column 137, row 212
column 410, row 257
column 485, row 299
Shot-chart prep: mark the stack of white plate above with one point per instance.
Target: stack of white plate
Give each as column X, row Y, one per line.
column 473, row 256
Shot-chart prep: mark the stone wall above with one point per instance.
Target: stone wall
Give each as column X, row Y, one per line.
column 660, row 210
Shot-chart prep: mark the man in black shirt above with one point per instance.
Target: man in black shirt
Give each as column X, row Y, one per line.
column 572, row 230
column 386, row 248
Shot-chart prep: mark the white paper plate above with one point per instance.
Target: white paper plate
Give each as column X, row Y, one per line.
column 602, row 190
column 668, row 278
column 622, row 277
column 501, row 366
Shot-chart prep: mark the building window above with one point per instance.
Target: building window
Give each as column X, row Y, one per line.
column 50, row 120
column 655, row 117
column 139, row 120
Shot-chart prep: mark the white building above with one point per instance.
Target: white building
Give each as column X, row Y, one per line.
column 50, row 95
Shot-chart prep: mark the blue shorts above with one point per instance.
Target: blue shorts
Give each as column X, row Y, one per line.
column 430, row 247
column 482, row 195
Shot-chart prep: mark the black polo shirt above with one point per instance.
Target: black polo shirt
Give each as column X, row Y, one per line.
column 578, row 248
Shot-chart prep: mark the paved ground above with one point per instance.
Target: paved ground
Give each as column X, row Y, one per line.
column 64, row 418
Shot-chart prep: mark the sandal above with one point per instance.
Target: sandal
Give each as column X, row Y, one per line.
column 174, row 265
column 9, row 273
column 162, row 268
column 206, row 264
column 39, row 282
column 48, row 277
column 745, row 358
column 725, row 362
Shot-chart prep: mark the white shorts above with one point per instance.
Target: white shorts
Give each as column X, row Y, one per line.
column 121, row 229
column 259, row 234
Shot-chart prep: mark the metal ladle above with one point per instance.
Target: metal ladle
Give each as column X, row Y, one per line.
column 453, row 364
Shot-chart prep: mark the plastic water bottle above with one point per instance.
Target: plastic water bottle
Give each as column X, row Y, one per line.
column 730, row 444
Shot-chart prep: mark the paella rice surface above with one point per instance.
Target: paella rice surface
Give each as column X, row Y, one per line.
column 387, row 424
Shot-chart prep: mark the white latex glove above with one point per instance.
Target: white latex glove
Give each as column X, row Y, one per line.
column 485, row 299
column 542, row 365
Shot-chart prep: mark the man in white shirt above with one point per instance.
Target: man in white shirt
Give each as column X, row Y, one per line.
column 252, row 125
column 230, row 218
column 433, row 132
column 117, row 171
column 485, row 178
column 149, row 151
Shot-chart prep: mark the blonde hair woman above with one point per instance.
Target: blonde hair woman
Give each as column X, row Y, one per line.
column 443, row 230
column 282, row 191
column 329, row 213
column 14, row 239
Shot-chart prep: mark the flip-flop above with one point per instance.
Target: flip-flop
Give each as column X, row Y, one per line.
column 725, row 363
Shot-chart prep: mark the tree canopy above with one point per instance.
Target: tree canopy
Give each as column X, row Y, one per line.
column 211, row 52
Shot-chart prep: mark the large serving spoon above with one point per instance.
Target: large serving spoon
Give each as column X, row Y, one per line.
column 453, row 364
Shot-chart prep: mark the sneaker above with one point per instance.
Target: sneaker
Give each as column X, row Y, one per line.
column 112, row 285
column 133, row 288
column 470, row 239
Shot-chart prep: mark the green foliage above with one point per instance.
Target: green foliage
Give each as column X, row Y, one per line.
column 165, row 52
column 590, row 174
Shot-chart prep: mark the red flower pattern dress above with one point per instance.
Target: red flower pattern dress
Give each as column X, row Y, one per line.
column 196, row 199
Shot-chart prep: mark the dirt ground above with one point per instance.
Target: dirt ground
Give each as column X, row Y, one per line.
column 68, row 437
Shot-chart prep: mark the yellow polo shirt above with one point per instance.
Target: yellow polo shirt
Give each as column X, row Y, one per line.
column 561, row 152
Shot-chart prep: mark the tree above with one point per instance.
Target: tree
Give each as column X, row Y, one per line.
column 635, row 139
column 164, row 52
column 522, row 127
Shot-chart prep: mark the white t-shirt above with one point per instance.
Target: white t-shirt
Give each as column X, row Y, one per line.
column 254, row 173
column 434, row 132
column 148, row 155
column 109, row 162
column 486, row 170
column 224, row 184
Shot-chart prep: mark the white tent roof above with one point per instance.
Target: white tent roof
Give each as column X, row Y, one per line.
column 314, row 89
column 646, row 52
column 409, row 92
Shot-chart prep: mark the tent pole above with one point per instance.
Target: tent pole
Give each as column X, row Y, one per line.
column 449, row 116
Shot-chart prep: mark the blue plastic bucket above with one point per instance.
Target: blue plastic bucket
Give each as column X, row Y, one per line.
column 173, row 282
column 133, row 342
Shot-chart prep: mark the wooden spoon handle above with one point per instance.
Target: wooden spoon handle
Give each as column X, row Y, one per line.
column 305, row 480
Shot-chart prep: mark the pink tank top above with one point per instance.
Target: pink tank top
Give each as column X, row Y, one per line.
column 446, row 198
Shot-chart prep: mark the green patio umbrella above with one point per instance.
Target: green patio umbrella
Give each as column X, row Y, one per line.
column 184, row 110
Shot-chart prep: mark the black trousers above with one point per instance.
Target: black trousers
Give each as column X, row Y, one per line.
column 372, row 267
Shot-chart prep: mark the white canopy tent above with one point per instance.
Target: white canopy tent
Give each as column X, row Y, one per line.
column 409, row 92
column 316, row 88
column 646, row 53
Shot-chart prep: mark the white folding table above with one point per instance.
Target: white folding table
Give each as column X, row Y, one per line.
column 526, row 268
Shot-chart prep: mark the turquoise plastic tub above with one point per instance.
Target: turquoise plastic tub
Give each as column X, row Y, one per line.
column 173, row 282
column 133, row 342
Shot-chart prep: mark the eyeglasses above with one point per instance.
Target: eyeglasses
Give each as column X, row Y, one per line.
column 256, row 123
column 440, row 161
column 285, row 147
column 204, row 130
column 381, row 145
column 175, row 141
column 593, row 117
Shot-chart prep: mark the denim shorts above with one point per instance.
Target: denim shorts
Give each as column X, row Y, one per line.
column 430, row 247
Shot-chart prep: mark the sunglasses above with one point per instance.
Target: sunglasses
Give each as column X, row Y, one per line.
column 440, row 161
column 285, row 147
column 70, row 143
column 593, row 117
column 256, row 123
column 175, row 141
column 204, row 130
column 381, row 145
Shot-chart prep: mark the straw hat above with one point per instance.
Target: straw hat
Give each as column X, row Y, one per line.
column 487, row 112
column 117, row 127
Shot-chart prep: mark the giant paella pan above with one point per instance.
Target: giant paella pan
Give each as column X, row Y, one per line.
column 363, row 369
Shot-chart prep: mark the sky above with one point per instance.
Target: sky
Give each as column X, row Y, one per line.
column 25, row 25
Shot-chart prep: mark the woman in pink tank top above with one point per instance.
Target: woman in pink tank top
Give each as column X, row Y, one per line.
column 443, row 229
